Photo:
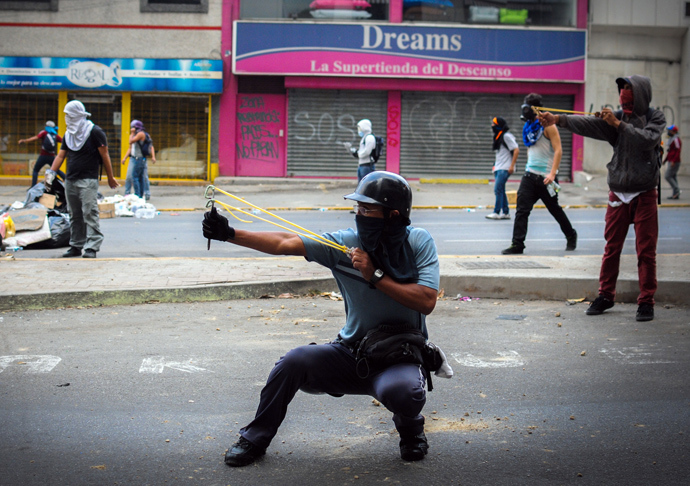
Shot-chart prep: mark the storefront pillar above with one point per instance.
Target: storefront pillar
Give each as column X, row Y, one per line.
column 126, row 119
column 393, row 124
column 227, row 158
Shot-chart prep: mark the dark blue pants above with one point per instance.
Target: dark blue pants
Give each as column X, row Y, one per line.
column 40, row 162
column 500, row 191
column 531, row 190
column 364, row 169
column 330, row 368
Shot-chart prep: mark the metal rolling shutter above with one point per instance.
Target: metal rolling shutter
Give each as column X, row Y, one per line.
column 449, row 134
column 319, row 121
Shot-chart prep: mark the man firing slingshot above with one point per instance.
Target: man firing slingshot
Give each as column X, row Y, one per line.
column 388, row 273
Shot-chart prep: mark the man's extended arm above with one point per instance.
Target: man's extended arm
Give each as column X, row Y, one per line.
column 105, row 156
column 555, row 139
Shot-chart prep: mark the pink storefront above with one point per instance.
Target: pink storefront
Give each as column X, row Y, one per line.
column 429, row 74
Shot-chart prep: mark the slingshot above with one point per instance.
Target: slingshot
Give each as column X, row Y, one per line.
column 537, row 109
column 210, row 194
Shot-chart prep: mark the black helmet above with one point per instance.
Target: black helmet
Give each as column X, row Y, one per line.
column 385, row 189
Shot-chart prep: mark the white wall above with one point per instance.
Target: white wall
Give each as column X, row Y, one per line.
column 646, row 37
column 137, row 43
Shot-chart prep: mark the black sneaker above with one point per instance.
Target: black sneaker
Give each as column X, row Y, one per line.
column 599, row 305
column 513, row 250
column 571, row 242
column 413, row 447
column 89, row 254
column 243, row 453
column 645, row 312
column 72, row 252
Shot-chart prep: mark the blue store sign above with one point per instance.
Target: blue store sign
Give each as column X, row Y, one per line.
column 161, row 75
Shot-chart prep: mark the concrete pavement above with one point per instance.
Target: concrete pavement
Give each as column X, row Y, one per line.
column 30, row 283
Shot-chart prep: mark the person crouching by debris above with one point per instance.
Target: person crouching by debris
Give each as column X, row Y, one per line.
column 389, row 280
column 85, row 147
column 507, row 152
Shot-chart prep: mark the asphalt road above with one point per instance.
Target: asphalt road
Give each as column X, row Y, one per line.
column 154, row 394
column 456, row 232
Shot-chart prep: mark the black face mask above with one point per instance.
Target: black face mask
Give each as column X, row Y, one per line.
column 385, row 240
column 370, row 231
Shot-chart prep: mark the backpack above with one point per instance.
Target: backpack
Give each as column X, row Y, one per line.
column 49, row 143
column 145, row 146
column 378, row 148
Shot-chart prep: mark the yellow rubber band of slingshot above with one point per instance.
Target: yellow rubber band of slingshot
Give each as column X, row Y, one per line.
column 302, row 231
column 541, row 108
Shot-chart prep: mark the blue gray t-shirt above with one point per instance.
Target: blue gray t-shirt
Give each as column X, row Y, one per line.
column 367, row 308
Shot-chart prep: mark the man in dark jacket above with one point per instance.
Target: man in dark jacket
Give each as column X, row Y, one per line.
column 633, row 177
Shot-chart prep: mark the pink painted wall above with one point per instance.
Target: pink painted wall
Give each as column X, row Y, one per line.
column 226, row 152
column 393, row 129
column 228, row 100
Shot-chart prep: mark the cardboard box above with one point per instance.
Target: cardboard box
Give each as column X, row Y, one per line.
column 106, row 210
column 48, row 200
column 512, row 197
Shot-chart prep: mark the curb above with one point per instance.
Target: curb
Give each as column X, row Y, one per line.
column 489, row 287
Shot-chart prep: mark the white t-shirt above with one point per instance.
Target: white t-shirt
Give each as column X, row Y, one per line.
column 504, row 156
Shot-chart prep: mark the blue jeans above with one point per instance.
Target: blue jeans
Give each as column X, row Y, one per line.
column 140, row 179
column 129, row 178
column 500, row 191
column 365, row 169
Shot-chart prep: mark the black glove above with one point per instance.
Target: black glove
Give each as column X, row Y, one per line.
column 216, row 227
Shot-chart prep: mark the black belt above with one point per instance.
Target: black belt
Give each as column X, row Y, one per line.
column 534, row 176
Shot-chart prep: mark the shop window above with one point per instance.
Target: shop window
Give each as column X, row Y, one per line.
column 189, row 6
column 498, row 12
column 315, row 9
column 51, row 5
column 23, row 115
column 105, row 112
column 179, row 128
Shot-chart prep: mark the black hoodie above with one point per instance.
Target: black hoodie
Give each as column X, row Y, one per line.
column 633, row 167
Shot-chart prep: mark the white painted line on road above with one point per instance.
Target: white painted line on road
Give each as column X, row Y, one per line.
column 551, row 239
column 34, row 363
column 635, row 355
column 159, row 363
column 507, row 359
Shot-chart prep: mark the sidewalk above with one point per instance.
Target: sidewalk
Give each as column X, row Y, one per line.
column 29, row 283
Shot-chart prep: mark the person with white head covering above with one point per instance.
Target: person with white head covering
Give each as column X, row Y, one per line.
column 366, row 147
column 85, row 147
column 49, row 143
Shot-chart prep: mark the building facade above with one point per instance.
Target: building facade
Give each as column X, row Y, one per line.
column 275, row 88
column 157, row 61
column 430, row 75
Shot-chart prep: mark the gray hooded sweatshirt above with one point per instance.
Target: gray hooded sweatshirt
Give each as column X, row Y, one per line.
column 633, row 167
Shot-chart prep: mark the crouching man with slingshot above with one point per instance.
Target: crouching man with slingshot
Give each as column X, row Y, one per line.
column 388, row 273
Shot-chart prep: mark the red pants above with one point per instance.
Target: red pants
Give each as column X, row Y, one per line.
column 642, row 213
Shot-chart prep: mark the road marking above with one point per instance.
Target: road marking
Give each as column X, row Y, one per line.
column 34, row 363
column 641, row 354
column 554, row 239
column 507, row 359
column 159, row 363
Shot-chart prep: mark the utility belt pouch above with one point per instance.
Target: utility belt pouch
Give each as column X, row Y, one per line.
column 388, row 345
